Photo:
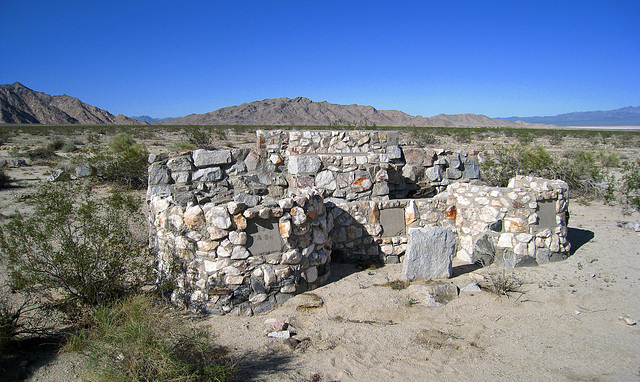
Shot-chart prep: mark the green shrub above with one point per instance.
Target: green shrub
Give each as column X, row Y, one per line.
column 631, row 184
column 42, row 154
column 56, row 145
column 125, row 163
column 609, row 160
column 507, row 162
column 202, row 137
column 579, row 169
column 135, row 340
column 80, row 249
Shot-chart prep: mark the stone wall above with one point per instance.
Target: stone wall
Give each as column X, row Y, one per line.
column 524, row 224
column 365, row 165
column 226, row 257
column 241, row 229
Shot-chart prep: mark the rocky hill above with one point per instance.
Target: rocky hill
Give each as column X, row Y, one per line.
column 302, row 111
column 19, row 104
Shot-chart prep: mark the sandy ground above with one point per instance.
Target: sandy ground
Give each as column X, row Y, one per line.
column 564, row 326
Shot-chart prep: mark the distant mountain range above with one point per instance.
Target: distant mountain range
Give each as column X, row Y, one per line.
column 19, row 104
column 302, row 111
column 147, row 119
column 626, row 116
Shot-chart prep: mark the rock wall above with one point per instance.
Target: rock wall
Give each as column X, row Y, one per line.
column 230, row 257
column 365, row 165
column 524, row 224
column 238, row 230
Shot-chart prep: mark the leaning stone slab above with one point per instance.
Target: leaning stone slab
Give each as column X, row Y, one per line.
column 429, row 253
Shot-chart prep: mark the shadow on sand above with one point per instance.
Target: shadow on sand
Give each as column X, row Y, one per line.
column 578, row 237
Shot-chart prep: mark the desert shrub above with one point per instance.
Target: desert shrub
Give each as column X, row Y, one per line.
column 20, row 314
column 136, row 340
column 584, row 177
column 202, row 137
column 556, row 138
column 631, row 184
column 463, row 136
column 70, row 146
column 500, row 283
column 423, row 137
column 5, row 180
column 507, row 162
column 79, row 249
column 125, row 163
column 42, row 154
column 609, row 160
column 56, row 145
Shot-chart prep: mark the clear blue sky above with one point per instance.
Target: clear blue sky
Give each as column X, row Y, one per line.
column 172, row 58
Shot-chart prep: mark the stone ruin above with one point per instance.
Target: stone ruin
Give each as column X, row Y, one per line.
column 240, row 230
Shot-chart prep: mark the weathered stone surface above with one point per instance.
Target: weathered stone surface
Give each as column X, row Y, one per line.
column 206, row 158
column 239, row 253
column 238, row 238
column 58, row 176
column 394, row 152
column 453, row 173
column 361, row 184
column 298, row 215
column 181, row 177
column 454, row 161
column 304, row 164
column 415, row 156
column 291, row 257
column 252, row 160
column 326, row 180
column 158, row 174
column 210, row 174
column 471, row 169
column 194, row 217
column 430, row 251
column 179, row 164
column 434, row 174
column 219, row 217
column 247, row 199
column 483, row 251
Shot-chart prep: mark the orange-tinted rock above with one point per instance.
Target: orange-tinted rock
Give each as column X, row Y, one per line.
column 451, row 213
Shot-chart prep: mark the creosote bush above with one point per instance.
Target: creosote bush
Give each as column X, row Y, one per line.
column 631, row 184
column 202, row 137
column 136, row 340
column 78, row 249
column 578, row 168
column 125, row 163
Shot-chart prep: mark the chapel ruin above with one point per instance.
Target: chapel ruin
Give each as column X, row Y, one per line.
column 244, row 229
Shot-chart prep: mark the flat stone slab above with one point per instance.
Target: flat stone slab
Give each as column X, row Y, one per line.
column 393, row 222
column 263, row 237
column 430, row 251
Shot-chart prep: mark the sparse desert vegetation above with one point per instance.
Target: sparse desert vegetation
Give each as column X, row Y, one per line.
column 60, row 275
